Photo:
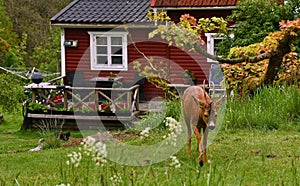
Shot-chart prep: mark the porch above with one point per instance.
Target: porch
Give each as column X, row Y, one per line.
column 85, row 104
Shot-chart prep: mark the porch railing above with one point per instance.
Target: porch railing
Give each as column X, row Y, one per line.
column 85, row 98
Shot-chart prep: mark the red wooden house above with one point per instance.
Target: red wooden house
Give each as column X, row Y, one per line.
column 95, row 42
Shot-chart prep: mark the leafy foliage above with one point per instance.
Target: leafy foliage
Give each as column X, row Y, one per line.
column 8, row 40
column 270, row 54
column 11, row 92
column 255, row 19
column 29, row 20
column 251, row 75
column 187, row 33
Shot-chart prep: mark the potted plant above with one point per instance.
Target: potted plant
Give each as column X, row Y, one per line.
column 37, row 108
column 189, row 77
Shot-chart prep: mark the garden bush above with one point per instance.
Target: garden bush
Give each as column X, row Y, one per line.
column 171, row 108
column 11, row 92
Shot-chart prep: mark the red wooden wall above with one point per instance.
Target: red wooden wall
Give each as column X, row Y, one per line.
column 174, row 59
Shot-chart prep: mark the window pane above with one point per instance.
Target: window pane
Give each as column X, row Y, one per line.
column 216, row 42
column 116, row 60
column 101, row 50
column 116, row 50
column 101, row 41
column 116, row 40
column 101, row 60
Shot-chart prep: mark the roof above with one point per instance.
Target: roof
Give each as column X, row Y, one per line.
column 193, row 3
column 103, row 11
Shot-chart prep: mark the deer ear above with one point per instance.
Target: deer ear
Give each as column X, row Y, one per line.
column 219, row 101
column 197, row 101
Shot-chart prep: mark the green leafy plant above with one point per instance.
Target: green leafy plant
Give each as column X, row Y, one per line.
column 11, row 92
column 188, row 74
column 50, row 130
column 37, row 107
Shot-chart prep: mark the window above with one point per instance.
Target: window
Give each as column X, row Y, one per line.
column 212, row 40
column 108, row 50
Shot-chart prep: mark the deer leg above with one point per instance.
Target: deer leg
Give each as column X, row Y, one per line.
column 189, row 140
column 204, row 146
column 198, row 136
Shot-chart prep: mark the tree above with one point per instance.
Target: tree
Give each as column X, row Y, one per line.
column 11, row 92
column 256, row 19
column 30, row 21
column 8, row 40
column 187, row 35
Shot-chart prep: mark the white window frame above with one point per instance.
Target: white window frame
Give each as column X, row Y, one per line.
column 210, row 44
column 109, row 66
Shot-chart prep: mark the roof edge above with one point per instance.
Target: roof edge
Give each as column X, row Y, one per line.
column 63, row 10
column 152, row 3
column 132, row 25
column 196, row 8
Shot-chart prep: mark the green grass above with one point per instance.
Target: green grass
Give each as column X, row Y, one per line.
column 238, row 157
column 270, row 108
column 244, row 151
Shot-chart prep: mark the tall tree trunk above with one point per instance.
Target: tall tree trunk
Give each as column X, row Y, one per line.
column 276, row 59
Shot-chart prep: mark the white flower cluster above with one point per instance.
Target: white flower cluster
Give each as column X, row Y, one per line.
column 75, row 158
column 62, row 184
column 145, row 133
column 95, row 149
column 174, row 130
column 175, row 162
column 115, row 179
column 92, row 148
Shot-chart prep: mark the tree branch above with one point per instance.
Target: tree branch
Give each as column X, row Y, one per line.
column 235, row 60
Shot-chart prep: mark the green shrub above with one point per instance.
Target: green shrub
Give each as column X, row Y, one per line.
column 11, row 92
column 269, row 108
column 171, row 108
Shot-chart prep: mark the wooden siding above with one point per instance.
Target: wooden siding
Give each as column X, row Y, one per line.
column 175, row 59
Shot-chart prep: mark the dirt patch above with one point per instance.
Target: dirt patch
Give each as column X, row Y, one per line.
column 123, row 136
column 72, row 142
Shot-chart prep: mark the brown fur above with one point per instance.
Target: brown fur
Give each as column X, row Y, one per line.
column 197, row 111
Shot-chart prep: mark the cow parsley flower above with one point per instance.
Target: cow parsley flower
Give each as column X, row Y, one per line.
column 88, row 145
column 91, row 148
column 75, row 158
column 174, row 128
column 175, row 162
column 116, row 179
column 95, row 149
column 62, row 184
column 100, row 153
column 145, row 133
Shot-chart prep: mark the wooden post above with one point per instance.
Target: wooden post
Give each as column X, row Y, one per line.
column 66, row 99
column 96, row 101
column 34, row 94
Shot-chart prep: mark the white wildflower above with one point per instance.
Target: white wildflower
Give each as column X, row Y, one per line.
column 174, row 128
column 62, row 184
column 96, row 150
column 175, row 162
column 88, row 144
column 100, row 153
column 115, row 179
column 145, row 132
column 75, row 158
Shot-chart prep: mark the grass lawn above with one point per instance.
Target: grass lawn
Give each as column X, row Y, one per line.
column 237, row 157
